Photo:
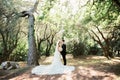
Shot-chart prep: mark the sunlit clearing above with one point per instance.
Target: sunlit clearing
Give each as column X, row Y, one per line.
column 96, row 57
column 48, row 59
column 113, row 61
column 69, row 76
column 90, row 72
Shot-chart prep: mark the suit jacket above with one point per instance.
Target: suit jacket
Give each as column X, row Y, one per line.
column 63, row 52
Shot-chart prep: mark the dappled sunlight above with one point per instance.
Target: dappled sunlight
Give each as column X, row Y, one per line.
column 69, row 76
column 85, row 69
column 69, row 56
column 91, row 73
column 35, row 79
column 22, row 64
column 48, row 59
column 83, row 73
column 109, row 61
column 96, row 57
column 21, row 77
column 116, row 60
column 112, row 61
column 29, row 30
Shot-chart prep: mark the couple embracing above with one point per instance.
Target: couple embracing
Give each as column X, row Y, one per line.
column 56, row 66
column 62, row 50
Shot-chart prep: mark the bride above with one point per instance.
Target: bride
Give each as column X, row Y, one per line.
column 56, row 67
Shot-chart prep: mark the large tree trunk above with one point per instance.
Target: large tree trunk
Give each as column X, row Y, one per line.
column 32, row 52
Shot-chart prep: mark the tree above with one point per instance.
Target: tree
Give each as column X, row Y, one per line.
column 106, row 16
column 9, row 30
column 32, row 53
column 50, row 43
column 115, row 43
column 42, row 34
column 105, row 45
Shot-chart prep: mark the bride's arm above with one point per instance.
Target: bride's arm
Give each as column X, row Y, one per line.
column 59, row 49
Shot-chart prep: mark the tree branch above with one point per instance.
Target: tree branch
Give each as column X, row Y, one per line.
column 35, row 6
column 101, row 33
column 29, row 12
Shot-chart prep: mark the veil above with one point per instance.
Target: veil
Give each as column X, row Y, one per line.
column 57, row 56
column 56, row 48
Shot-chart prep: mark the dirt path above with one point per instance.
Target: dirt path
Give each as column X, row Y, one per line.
column 86, row 68
column 80, row 73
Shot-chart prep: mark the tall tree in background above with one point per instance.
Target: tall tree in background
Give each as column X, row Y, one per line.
column 50, row 43
column 105, row 17
column 32, row 53
column 42, row 34
column 105, row 43
column 9, row 29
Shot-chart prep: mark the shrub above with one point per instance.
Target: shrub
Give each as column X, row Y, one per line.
column 19, row 54
column 78, row 49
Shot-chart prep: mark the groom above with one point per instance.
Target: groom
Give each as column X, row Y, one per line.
column 63, row 52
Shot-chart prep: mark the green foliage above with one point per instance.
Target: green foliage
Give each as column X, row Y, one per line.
column 43, row 48
column 79, row 49
column 20, row 53
column 94, row 50
column 9, row 28
column 48, row 4
column 74, row 19
column 115, row 43
column 70, row 46
column 76, row 48
column 101, row 12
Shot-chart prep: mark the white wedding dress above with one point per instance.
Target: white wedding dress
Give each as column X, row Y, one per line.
column 55, row 68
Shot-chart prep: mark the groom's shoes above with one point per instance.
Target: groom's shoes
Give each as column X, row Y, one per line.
column 64, row 63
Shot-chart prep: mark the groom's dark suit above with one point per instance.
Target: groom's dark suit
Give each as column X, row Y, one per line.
column 63, row 52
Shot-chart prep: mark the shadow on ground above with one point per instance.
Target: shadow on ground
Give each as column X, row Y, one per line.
column 86, row 68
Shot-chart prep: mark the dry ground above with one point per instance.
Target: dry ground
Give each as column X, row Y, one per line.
column 86, row 68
